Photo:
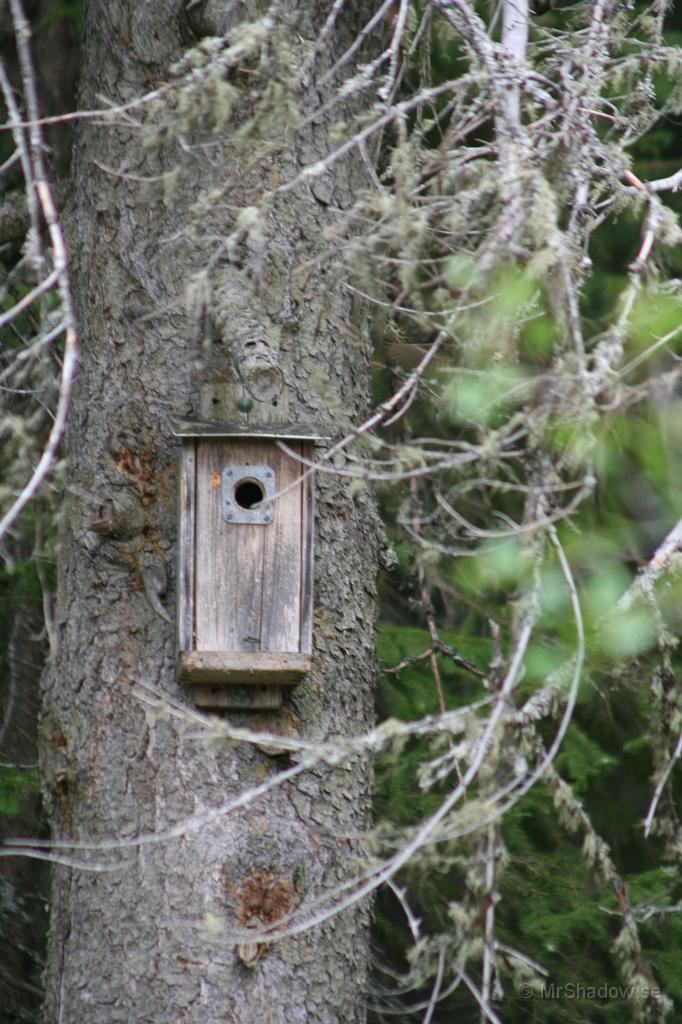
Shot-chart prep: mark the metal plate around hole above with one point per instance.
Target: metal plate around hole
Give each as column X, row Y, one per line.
column 232, row 476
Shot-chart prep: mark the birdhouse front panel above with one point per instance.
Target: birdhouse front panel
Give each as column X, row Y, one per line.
column 245, row 562
column 248, row 566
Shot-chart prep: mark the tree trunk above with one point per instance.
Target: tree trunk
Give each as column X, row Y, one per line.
column 141, row 942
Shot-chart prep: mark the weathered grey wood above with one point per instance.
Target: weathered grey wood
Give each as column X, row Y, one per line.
column 242, row 667
column 233, row 698
column 184, row 427
column 247, row 582
column 185, row 553
column 282, row 566
column 307, row 556
column 241, row 587
column 229, row 560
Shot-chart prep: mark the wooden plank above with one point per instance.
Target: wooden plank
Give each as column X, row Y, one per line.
column 248, row 577
column 307, row 557
column 256, row 698
column 254, row 669
column 185, row 561
column 183, row 427
column 229, row 574
column 282, row 568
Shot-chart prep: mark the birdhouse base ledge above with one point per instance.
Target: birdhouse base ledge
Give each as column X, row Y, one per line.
column 257, row 668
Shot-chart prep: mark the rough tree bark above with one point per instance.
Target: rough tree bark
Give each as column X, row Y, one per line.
column 132, row 944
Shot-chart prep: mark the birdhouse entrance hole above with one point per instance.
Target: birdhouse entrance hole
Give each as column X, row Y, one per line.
column 248, row 493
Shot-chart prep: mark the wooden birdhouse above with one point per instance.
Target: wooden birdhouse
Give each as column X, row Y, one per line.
column 245, row 562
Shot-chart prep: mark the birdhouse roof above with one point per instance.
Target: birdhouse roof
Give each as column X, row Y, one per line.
column 183, row 427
